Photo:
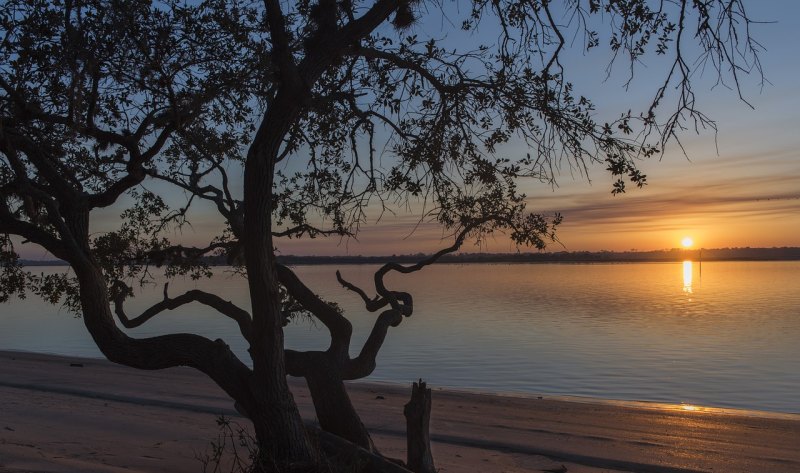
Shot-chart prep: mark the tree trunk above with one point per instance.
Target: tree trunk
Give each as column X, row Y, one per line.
column 282, row 441
column 418, row 417
column 279, row 428
column 334, row 409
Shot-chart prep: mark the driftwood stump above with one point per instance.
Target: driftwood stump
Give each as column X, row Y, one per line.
column 418, row 419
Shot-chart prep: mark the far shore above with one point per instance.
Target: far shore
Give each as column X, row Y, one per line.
column 567, row 257
column 67, row 414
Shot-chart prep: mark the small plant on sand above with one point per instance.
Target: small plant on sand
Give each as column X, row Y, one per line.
column 234, row 450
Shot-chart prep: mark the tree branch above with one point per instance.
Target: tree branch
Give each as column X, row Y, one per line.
column 207, row 192
column 340, row 328
column 30, row 232
column 13, row 140
column 227, row 308
column 377, row 302
column 299, row 363
column 359, row 28
column 404, row 63
column 281, row 50
column 312, row 231
column 364, row 364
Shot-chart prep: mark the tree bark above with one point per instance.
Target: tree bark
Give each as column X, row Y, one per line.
column 418, row 417
column 279, row 428
column 335, row 411
column 277, row 421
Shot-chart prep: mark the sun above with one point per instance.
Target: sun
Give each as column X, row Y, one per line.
column 687, row 242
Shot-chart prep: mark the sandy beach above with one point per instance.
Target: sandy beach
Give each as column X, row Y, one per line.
column 63, row 414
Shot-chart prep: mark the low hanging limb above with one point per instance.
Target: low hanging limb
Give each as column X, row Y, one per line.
column 227, row 308
column 402, row 301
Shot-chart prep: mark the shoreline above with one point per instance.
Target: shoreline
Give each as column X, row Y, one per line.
column 62, row 414
column 624, row 403
column 629, row 403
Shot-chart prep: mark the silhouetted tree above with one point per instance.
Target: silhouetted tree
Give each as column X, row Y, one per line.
column 98, row 97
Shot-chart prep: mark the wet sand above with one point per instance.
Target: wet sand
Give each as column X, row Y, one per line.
column 64, row 414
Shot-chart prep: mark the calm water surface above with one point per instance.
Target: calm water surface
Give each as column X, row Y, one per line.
column 728, row 337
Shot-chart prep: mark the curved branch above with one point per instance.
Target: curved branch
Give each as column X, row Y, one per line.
column 391, row 296
column 227, row 308
column 340, row 328
column 377, row 302
column 109, row 196
column 212, row 357
column 364, row 364
column 33, row 233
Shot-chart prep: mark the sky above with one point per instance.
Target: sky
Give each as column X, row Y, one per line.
column 740, row 187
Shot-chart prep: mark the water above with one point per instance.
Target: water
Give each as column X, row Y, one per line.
column 661, row 332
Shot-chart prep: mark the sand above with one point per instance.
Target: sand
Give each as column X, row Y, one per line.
column 61, row 414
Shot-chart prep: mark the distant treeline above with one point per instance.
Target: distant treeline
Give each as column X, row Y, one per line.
column 675, row 254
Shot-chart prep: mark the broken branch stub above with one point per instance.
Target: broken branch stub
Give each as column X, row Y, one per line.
column 418, row 417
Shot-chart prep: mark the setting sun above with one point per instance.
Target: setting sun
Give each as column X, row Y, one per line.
column 687, row 242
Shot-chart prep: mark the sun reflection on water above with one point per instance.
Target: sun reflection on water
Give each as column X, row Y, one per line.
column 687, row 277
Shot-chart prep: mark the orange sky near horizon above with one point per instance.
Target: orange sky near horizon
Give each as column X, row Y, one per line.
column 747, row 195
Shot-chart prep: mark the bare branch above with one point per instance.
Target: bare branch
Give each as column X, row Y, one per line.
column 396, row 304
column 377, row 302
column 364, row 364
column 557, row 52
column 227, row 308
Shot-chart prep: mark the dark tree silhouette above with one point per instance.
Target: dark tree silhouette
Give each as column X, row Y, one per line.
column 329, row 108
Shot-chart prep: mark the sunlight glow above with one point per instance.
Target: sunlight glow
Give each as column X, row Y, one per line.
column 687, row 242
column 688, row 407
column 687, row 277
